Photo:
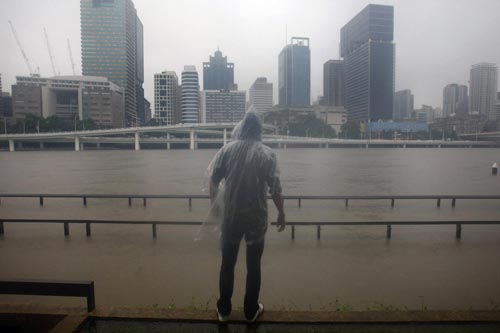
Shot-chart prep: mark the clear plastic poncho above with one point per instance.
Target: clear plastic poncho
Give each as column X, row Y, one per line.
column 238, row 179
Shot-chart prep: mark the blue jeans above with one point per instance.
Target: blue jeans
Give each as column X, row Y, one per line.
column 230, row 243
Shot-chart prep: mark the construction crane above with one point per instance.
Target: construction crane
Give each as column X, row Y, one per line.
column 71, row 58
column 52, row 62
column 30, row 69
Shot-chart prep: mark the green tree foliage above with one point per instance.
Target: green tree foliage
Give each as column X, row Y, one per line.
column 350, row 130
column 288, row 123
column 35, row 124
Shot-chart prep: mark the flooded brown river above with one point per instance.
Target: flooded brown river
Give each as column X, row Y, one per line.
column 348, row 268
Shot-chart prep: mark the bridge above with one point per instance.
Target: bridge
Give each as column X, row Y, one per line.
column 217, row 134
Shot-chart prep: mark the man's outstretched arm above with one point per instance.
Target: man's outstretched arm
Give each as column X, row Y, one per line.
column 278, row 202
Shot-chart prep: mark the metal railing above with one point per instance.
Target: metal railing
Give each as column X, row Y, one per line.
column 292, row 225
column 391, row 198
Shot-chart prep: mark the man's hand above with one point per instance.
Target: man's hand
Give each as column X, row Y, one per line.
column 281, row 224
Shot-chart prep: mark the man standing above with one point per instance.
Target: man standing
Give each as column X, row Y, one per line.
column 249, row 170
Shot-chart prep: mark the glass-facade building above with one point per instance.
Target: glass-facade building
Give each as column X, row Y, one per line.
column 218, row 74
column 294, row 64
column 333, row 83
column 112, row 46
column 403, row 104
column 368, row 51
column 483, row 90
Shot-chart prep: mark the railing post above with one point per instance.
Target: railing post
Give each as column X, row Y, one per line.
column 144, row 202
column 190, row 203
column 66, row 229
column 130, row 201
column 41, row 201
column 91, row 298
column 1, row 228
column 439, row 202
column 389, row 231
column 318, row 232
column 154, row 229
column 300, row 202
column 453, row 202
column 87, row 228
column 459, row 231
column 293, row 232
column 392, row 202
column 346, row 202
column 85, row 201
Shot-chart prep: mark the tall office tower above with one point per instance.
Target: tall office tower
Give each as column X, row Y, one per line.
column 261, row 95
column 368, row 50
column 166, row 97
column 139, row 60
column 483, row 89
column 190, row 99
column 333, row 83
column 111, row 34
column 218, row 73
column 295, row 73
column 455, row 99
column 403, row 104
column 222, row 106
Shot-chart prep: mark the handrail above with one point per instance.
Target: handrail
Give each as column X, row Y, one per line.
column 299, row 198
column 292, row 224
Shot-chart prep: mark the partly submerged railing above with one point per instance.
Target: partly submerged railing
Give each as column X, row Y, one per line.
column 190, row 197
column 292, row 224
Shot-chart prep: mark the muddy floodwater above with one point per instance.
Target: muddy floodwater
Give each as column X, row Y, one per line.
column 350, row 267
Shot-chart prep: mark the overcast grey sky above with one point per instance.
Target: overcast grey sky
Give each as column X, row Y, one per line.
column 437, row 41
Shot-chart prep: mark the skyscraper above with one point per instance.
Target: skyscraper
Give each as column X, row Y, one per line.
column 455, row 99
column 295, row 73
column 139, row 60
column 166, row 97
column 483, row 89
column 218, row 74
column 190, row 100
column 111, row 35
column 368, row 50
column 403, row 104
column 333, row 83
column 261, row 95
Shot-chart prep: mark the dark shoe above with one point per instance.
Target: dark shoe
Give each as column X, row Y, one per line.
column 260, row 311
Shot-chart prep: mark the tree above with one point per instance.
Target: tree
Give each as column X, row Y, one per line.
column 350, row 130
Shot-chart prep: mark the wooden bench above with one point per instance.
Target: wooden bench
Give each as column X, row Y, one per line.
column 50, row 288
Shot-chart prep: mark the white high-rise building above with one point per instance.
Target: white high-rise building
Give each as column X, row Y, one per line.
column 166, row 94
column 190, row 98
column 261, row 95
column 483, row 90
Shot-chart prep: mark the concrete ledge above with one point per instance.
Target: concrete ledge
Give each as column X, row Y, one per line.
column 78, row 314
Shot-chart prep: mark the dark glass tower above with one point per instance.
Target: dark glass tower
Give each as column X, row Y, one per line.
column 295, row 73
column 368, row 50
column 218, row 74
column 333, row 83
column 111, row 34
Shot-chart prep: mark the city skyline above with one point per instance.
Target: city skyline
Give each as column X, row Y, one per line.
column 424, row 65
